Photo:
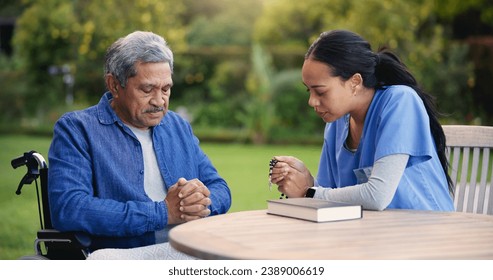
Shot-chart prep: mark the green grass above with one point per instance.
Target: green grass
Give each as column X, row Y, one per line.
column 244, row 167
column 19, row 219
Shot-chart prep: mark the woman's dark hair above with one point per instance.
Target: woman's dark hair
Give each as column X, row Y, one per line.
column 347, row 53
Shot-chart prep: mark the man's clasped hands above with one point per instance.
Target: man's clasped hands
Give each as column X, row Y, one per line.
column 187, row 201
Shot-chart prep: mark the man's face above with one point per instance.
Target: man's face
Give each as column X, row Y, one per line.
column 145, row 99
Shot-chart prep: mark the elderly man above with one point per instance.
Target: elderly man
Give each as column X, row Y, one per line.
column 127, row 169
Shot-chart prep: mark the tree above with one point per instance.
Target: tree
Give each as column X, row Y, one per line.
column 216, row 62
column 471, row 23
column 76, row 34
column 44, row 37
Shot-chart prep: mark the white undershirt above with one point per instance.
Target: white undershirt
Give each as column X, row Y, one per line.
column 153, row 181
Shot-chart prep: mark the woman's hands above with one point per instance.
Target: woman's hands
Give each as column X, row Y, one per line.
column 291, row 176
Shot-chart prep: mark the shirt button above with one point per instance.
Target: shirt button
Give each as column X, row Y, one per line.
column 141, row 171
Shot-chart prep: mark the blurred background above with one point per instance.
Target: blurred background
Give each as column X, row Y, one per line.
column 236, row 78
column 237, row 74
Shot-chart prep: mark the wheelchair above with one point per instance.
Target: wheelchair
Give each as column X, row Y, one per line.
column 50, row 244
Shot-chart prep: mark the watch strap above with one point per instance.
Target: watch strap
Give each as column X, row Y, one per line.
column 310, row 192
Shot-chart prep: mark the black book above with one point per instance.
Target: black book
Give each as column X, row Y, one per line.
column 312, row 209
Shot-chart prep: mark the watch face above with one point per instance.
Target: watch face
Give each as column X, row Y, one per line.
column 310, row 192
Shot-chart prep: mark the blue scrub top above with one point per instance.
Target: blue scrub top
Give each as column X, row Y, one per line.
column 396, row 123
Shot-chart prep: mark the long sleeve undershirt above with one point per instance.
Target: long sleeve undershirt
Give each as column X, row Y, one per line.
column 377, row 193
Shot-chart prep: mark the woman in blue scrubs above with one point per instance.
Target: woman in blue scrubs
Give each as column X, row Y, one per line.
column 383, row 145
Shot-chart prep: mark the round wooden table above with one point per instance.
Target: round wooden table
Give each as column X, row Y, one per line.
column 382, row 235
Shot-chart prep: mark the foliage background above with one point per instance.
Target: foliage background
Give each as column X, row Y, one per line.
column 237, row 74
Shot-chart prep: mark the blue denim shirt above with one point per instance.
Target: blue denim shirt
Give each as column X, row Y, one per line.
column 96, row 176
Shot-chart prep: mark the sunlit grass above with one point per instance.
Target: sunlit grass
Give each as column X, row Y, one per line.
column 245, row 168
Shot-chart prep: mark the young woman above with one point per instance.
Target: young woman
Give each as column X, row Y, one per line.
column 383, row 145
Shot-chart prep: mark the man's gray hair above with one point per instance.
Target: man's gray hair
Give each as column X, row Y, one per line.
column 139, row 46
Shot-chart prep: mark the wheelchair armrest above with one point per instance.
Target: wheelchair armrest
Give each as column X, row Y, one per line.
column 77, row 239
column 62, row 245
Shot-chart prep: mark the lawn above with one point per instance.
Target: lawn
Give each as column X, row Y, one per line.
column 244, row 167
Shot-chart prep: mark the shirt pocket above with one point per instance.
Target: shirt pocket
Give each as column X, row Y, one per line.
column 362, row 174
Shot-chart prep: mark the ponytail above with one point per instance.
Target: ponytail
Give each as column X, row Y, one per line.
column 389, row 70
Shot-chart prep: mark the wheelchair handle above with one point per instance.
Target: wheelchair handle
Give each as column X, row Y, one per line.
column 26, row 158
column 34, row 162
column 20, row 161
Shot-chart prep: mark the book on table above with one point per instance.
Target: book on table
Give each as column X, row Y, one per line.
column 313, row 209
